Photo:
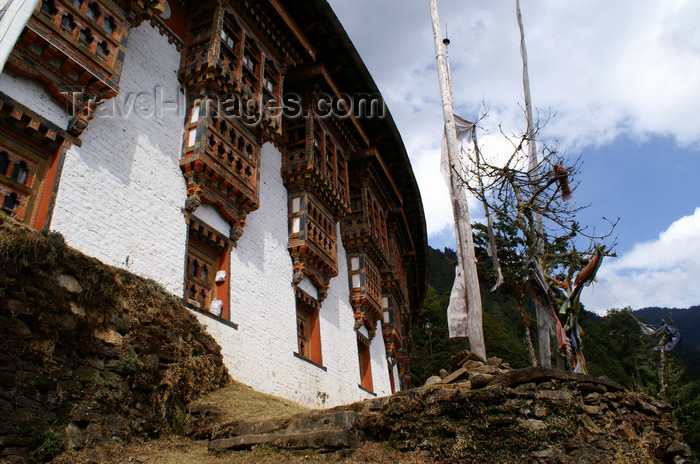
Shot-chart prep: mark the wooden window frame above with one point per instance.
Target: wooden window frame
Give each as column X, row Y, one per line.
column 216, row 259
column 365, row 362
column 308, row 338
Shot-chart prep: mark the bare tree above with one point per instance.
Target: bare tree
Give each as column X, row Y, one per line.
column 533, row 199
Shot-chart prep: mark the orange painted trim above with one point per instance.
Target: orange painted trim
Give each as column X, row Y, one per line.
column 391, row 379
column 366, row 372
column 315, row 341
column 50, row 188
column 223, row 289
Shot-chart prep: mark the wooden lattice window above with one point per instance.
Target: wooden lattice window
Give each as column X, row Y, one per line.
column 295, row 212
column 108, row 25
column 68, row 23
column 355, row 272
column 93, row 11
column 10, row 202
column 20, row 171
column 206, row 273
column 49, row 7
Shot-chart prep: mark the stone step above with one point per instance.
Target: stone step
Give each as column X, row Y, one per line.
column 318, row 439
column 319, row 429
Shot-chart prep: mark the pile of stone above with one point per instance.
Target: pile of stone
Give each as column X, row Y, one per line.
column 468, row 367
column 483, row 411
column 90, row 353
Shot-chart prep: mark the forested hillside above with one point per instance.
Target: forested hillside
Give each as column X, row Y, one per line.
column 613, row 345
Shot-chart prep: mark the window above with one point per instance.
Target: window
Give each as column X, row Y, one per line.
column 108, row 25
column 194, row 113
column 206, row 274
column 308, row 330
column 268, row 83
column 48, row 7
column 228, row 38
column 295, row 210
column 19, row 173
column 4, row 163
column 363, row 355
column 249, row 61
column 103, row 49
column 67, row 22
column 355, row 272
column 93, row 11
column 85, row 36
column 192, row 137
column 10, row 203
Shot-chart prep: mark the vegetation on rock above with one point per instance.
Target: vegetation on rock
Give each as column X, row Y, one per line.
column 90, row 352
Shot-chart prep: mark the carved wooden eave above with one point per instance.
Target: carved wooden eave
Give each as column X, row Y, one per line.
column 314, row 80
column 308, row 265
column 370, row 163
column 32, row 124
column 360, row 234
column 72, row 50
column 276, row 30
column 218, row 171
column 364, row 318
column 139, row 10
column 206, row 233
column 278, row 44
column 312, row 240
column 209, row 64
column 366, row 299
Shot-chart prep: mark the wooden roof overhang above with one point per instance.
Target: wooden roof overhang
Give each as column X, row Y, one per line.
column 335, row 49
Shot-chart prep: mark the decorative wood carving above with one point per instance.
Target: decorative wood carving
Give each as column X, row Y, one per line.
column 77, row 48
column 221, row 162
column 223, row 56
column 314, row 169
column 30, row 154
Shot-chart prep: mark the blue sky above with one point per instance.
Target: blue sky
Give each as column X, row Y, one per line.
column 624, row 80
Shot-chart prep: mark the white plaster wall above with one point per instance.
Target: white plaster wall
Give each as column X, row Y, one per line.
column 34, row 95
column 308, row 287
column 212, row 217
column 260, row 352
column 397, row 382
column 121, row 193
column 380, row 368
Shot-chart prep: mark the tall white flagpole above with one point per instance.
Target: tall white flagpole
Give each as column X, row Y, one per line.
column 463, row 229
column 543, row 329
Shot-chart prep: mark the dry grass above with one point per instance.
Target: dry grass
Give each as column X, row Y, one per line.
column 240, row 402
column 179, row 450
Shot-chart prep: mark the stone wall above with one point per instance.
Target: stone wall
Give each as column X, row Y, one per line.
column 89, row 351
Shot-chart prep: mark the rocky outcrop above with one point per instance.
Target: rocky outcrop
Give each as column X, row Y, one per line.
column 90, row 353
column 485, row 412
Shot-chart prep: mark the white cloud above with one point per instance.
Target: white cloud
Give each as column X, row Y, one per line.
column 661, row 272
column 607, row 68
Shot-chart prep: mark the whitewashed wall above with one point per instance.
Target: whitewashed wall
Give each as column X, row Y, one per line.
column 380, row 368
column 121, row 193
column 34, row 95
column 260, row 352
